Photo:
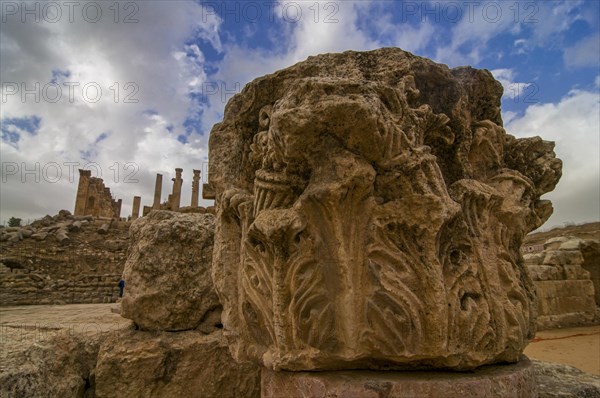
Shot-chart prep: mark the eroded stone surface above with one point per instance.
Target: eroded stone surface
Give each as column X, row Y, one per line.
column 172, row 364
column 50, row 351
column 562, row 381
column 167, row 273
column 502, row 381
column 370, row 213
column 565, row 281
column 85, row 351
column 57, row 365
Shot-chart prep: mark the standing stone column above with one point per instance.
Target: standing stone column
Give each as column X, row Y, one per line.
column 195, row 188
column 135, row 213
column 117, row 207
column 176, row 195
column 157, row 192
column 82, row 192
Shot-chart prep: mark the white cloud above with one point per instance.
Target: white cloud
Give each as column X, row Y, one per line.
column 574, row 124
column 480, row 22
column 512, row 89
column 508, row 116
column 544, row 23
column 313, row 36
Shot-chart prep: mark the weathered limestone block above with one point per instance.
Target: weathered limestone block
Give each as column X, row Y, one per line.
column 167, row 273
column 168, row 364
column 61, row 236
column 370, row 212
column 26, row 232
column 103, row 230
column 75, row 227
column 555, row 243
column 58, row 365
column 575, row 271
column 515, row 381
column 571, row 244
column 566, row 260
column 62, row 214
column 545, row 272
column 533, row 258
column 590, row 249
column 562, row 257
column 563, row 303
column 563, row 381
column 15, row 236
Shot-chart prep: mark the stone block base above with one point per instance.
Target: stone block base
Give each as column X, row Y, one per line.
column 514, row 380
column 565, row 303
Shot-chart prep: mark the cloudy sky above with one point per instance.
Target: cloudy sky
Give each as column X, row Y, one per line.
column 129, row 89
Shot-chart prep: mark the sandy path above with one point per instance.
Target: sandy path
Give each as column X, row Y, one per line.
column 62, row 316
column 21, row 326
column 579, row 347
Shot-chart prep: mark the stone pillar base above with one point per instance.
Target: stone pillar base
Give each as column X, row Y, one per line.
column 515, row 380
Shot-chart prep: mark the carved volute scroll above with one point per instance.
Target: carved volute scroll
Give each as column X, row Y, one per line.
column 370, row 213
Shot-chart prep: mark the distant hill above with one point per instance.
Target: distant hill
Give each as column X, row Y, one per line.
column 584, row 231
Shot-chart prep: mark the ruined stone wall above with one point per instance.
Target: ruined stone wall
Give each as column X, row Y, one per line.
column 590, row 250
column 565, row 291
column 62, row 260
column 95, row 199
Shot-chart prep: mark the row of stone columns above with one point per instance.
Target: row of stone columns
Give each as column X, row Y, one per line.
column 174, row 199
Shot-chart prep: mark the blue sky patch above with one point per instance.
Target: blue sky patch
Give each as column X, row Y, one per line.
column 12, row 127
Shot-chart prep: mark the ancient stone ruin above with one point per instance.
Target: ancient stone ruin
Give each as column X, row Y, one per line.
column 177, row 296
column 62, row 259
column 370, row 210
column 566, row 276
column 173, row 202
column 94, row 199
column 370, row 213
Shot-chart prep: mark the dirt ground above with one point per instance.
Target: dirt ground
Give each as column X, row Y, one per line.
column 21, row 326
column 578, row 347
column 77, row 316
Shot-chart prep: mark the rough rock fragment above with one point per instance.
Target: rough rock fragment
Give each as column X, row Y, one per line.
column 103, row 230
column 75, row 227
column 62, row 236
column 563, row 381
column 15, row 237
column 26, row 232
column 60, row 365
column 167, row 364
column 167, row 273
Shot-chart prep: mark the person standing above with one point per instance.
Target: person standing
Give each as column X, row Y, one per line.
column 121, row 287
